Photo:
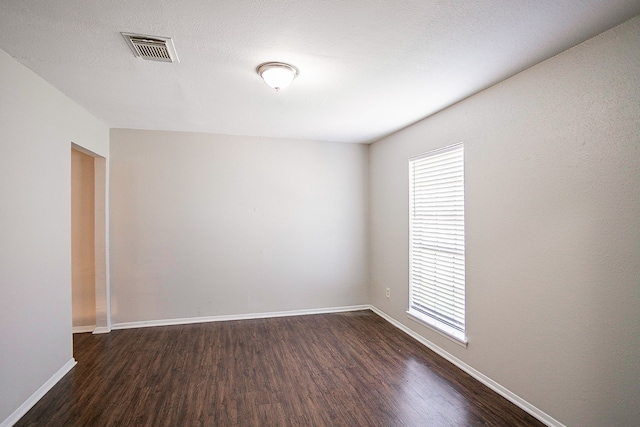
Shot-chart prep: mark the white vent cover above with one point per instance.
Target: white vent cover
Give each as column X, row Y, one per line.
column 153, row 48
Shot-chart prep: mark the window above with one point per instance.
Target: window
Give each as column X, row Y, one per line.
column 436, row 241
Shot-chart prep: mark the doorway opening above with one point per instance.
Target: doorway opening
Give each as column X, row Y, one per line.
column 89, row 284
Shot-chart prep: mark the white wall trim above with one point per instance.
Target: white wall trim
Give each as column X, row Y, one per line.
column 101, row 330
column 35, row 397
column 504, row 392
column 83, row 329
column 223, row 318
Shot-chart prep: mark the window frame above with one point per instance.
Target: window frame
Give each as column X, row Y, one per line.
column 448, row 330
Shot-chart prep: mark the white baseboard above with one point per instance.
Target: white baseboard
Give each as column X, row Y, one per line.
column 83, row 329
column 33, row 399
column 101, row 330
column 504, row 392
column 189, row 320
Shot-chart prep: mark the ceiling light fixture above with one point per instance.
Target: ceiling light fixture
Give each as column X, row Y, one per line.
column 277, row 75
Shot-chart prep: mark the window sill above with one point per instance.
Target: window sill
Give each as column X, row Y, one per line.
column 446, row 331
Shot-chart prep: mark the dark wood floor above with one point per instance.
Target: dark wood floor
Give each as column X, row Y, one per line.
column 346, row 369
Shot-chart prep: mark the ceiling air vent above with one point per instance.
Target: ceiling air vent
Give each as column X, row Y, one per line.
column 153, row 48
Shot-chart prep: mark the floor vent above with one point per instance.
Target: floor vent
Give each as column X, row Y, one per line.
column 153, row 48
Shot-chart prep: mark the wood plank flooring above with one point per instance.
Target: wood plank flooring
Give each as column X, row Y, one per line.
column 345, row 369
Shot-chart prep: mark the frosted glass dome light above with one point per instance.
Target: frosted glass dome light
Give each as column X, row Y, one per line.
column 277, row 75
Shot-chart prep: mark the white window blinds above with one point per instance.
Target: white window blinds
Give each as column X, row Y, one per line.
column 437, row 260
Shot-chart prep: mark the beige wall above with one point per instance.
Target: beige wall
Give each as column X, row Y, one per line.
column 210, row 225
column 552, row 229
column 37, row 127
column 83, row 271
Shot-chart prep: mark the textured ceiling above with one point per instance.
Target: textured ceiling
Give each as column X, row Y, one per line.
column 367, row 67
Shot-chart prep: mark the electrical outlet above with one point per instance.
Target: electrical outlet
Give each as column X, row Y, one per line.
column 387, row 292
